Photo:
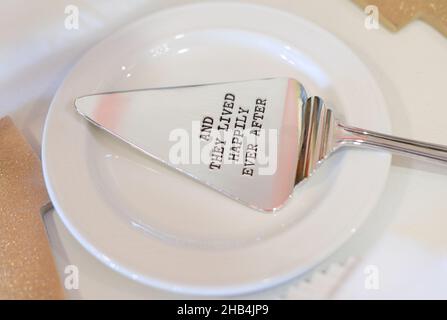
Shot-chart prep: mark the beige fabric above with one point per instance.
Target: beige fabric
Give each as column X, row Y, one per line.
column 27, row 268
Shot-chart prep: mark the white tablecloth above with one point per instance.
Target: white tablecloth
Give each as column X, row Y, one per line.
column 404, row 242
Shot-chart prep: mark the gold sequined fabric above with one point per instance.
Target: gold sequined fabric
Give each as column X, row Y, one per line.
column 395, row 14
column 27, row 268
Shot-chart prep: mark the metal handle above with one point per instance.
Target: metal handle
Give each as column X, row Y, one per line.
column 355, row 136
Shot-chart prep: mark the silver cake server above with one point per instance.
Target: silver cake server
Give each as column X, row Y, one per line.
column 253, row 141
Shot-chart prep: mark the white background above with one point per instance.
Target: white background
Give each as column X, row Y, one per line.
column 405, row 238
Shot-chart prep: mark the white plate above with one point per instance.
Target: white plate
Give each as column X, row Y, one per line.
column 163, row 229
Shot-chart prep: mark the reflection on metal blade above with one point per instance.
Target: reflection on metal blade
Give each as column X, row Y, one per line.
column 241, row 138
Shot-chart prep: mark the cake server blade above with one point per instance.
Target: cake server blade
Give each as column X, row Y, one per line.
column 240, row 138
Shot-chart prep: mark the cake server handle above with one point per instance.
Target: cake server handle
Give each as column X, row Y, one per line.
column 352, row 136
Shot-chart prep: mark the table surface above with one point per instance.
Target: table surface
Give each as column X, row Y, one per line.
column 403, row 243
